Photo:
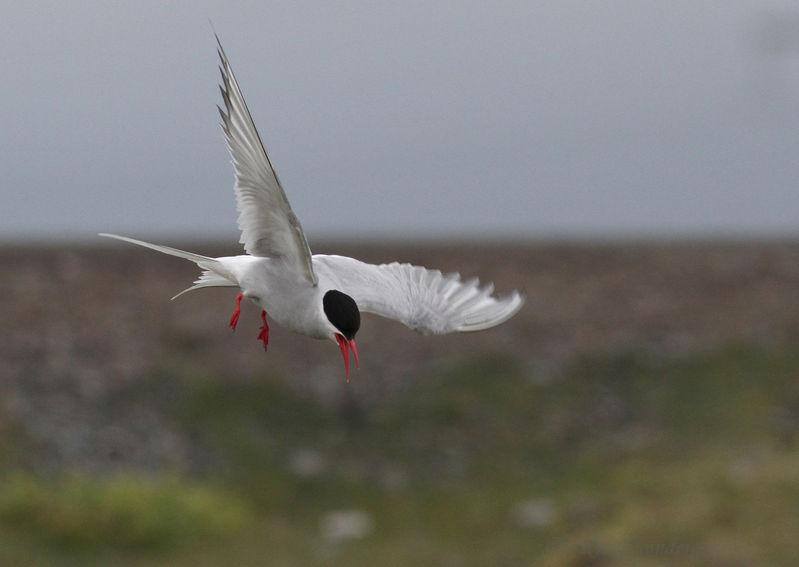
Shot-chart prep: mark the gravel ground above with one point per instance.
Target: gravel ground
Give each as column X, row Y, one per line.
column 86, row 326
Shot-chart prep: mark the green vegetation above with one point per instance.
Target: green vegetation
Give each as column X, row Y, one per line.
column 123, row 511
column 616, row 461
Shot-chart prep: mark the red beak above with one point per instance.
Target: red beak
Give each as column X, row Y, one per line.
column 345, row 346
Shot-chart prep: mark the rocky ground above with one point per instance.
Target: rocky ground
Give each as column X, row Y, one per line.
column 89, row 330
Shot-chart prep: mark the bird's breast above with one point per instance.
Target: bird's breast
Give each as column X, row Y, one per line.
column 288, row 298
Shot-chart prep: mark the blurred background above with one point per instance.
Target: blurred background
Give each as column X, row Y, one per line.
column 629, row 166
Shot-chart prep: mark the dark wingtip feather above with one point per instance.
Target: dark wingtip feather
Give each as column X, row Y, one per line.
column 224, row 116
column 221, row 51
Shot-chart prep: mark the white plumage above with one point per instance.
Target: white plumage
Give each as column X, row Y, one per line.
column 427, row 301
column 314, row 295
column 268, row 225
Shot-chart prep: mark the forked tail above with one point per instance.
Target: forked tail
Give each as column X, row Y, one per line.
column 214, row 273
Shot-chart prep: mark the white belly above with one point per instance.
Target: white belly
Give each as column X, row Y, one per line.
column 288, row 299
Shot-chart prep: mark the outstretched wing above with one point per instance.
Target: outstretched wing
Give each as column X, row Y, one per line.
column 268, row 225
column 427, row 301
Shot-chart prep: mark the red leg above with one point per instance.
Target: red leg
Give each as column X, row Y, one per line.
column 234, row 320
column 264, row 334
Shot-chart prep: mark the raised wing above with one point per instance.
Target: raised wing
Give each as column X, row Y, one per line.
column 427, row 301
column 268, row 225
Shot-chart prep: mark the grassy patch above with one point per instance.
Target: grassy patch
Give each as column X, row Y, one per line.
column 127, row 512
column 618, row 460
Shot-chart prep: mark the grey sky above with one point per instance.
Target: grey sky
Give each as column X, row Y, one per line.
column 428, row 118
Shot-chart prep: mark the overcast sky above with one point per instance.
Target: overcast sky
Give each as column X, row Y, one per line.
column 390, row 118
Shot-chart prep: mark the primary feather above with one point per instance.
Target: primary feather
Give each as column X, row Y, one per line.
column 427, row 301
column 269, row 227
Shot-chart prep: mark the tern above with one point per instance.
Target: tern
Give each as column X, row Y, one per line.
column 321, row 296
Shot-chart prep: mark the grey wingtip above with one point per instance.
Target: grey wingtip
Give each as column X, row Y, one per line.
column 510, row 304
column 517, row 299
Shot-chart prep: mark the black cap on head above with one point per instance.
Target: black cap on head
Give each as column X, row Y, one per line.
column 342, row 312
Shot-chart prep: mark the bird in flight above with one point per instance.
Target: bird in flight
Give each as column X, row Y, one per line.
column 321, row 296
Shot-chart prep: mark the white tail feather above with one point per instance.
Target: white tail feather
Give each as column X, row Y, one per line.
column 214, row 273
column 208, row 279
